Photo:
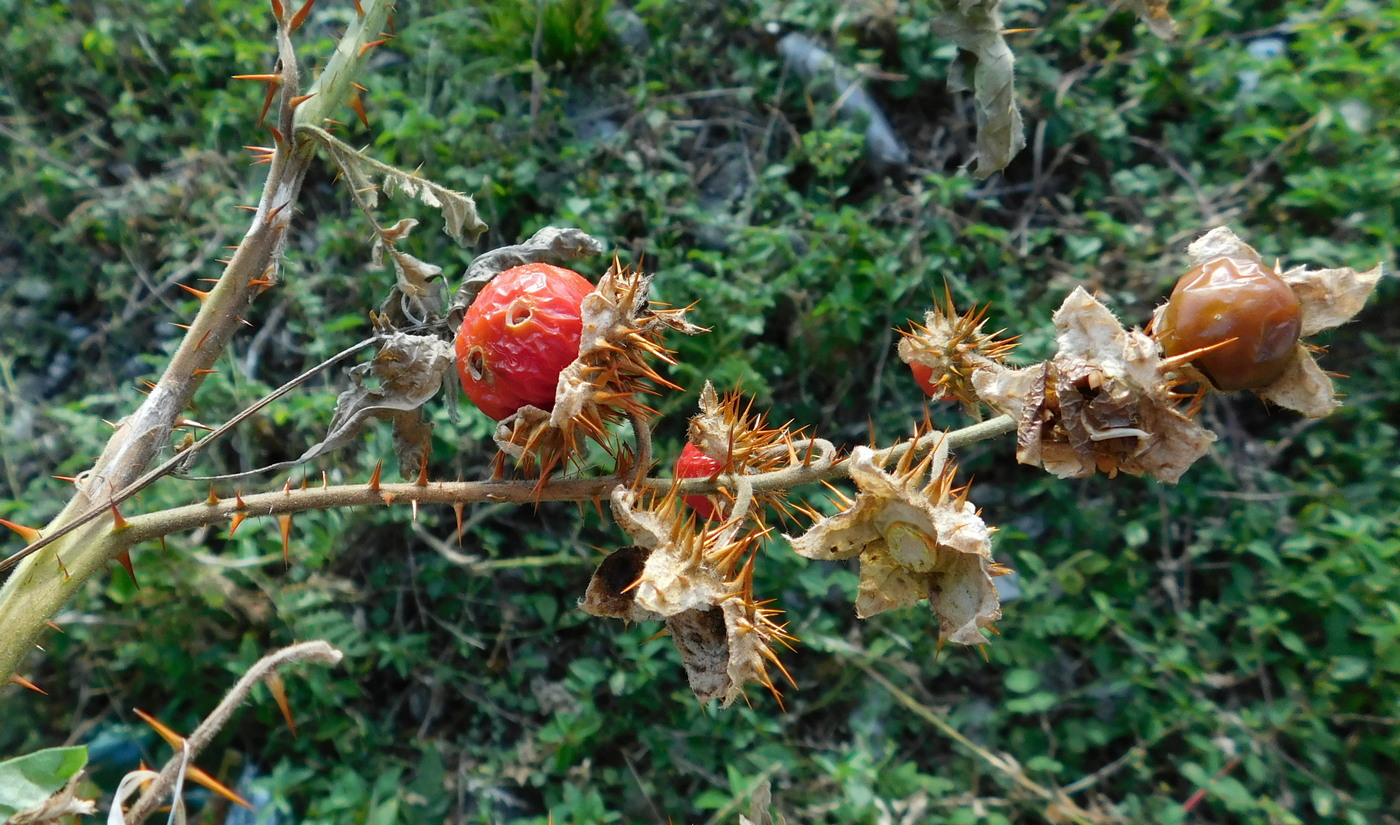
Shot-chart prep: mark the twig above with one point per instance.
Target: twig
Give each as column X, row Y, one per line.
column 1064, row 806
column 317, row 651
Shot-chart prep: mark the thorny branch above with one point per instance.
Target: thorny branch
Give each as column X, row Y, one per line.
column 315, row 651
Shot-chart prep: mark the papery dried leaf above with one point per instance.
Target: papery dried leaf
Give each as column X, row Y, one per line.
column 410, row 369
column 56, row 808
column 460, row 219
column 975, row 26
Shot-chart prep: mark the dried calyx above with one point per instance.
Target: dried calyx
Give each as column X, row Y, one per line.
column 1105, row 403
column 917, row 537
column 948, row 348
column 697, row 581
column 738, row 441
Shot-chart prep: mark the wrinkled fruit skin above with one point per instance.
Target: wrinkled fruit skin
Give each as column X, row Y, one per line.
column 695, row 464
column 1233, row 298
column 522, row 330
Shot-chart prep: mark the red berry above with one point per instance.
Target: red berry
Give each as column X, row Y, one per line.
column 1244, row 311
column 695, row 464
column 522, row 330
column 924, row 376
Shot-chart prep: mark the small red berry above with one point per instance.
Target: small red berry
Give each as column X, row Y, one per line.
column 522, row 330
column 1244, row 312
column 695, row 464
column 924, row 377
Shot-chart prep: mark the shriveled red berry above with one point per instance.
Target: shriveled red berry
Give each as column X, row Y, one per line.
column 522, row 330
column 695, row 464
column 1244, row 312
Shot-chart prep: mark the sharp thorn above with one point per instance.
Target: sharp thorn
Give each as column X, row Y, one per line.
column 275, row 686
column 29, row 534
column 171, row 738
column 125, row 561
column 374, row 477
column 359, row 106
column 16, row 679
column 284, row 523
column 300, row 16
column 118, row 522
column 366, row 47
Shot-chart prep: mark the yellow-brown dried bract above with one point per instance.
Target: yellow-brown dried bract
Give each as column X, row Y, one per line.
column 1102, row 404
column 917, row 537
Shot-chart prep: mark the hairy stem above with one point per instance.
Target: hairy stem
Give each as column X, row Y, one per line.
column 291, row 500
column 316, row 651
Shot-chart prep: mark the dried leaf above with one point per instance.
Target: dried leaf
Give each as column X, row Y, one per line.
column 460, row 220
column 410, row 370
column 975, row 27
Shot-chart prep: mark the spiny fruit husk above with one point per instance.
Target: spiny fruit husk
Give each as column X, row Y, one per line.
column 693, row 580
column 1105, row 403
column 729, row 431
column 917, row 537
column 604, row 384
column 952, row 346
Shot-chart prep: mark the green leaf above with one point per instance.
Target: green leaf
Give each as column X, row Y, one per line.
column 27, row 781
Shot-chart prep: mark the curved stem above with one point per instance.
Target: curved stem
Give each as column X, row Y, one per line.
column 315, row 651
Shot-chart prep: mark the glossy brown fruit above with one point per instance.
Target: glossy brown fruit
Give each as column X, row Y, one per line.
column 1243, row 312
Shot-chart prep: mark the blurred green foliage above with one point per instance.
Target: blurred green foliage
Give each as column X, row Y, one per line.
column 1239, row 633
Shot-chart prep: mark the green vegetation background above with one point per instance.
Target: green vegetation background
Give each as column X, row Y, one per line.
column 1251, row 613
